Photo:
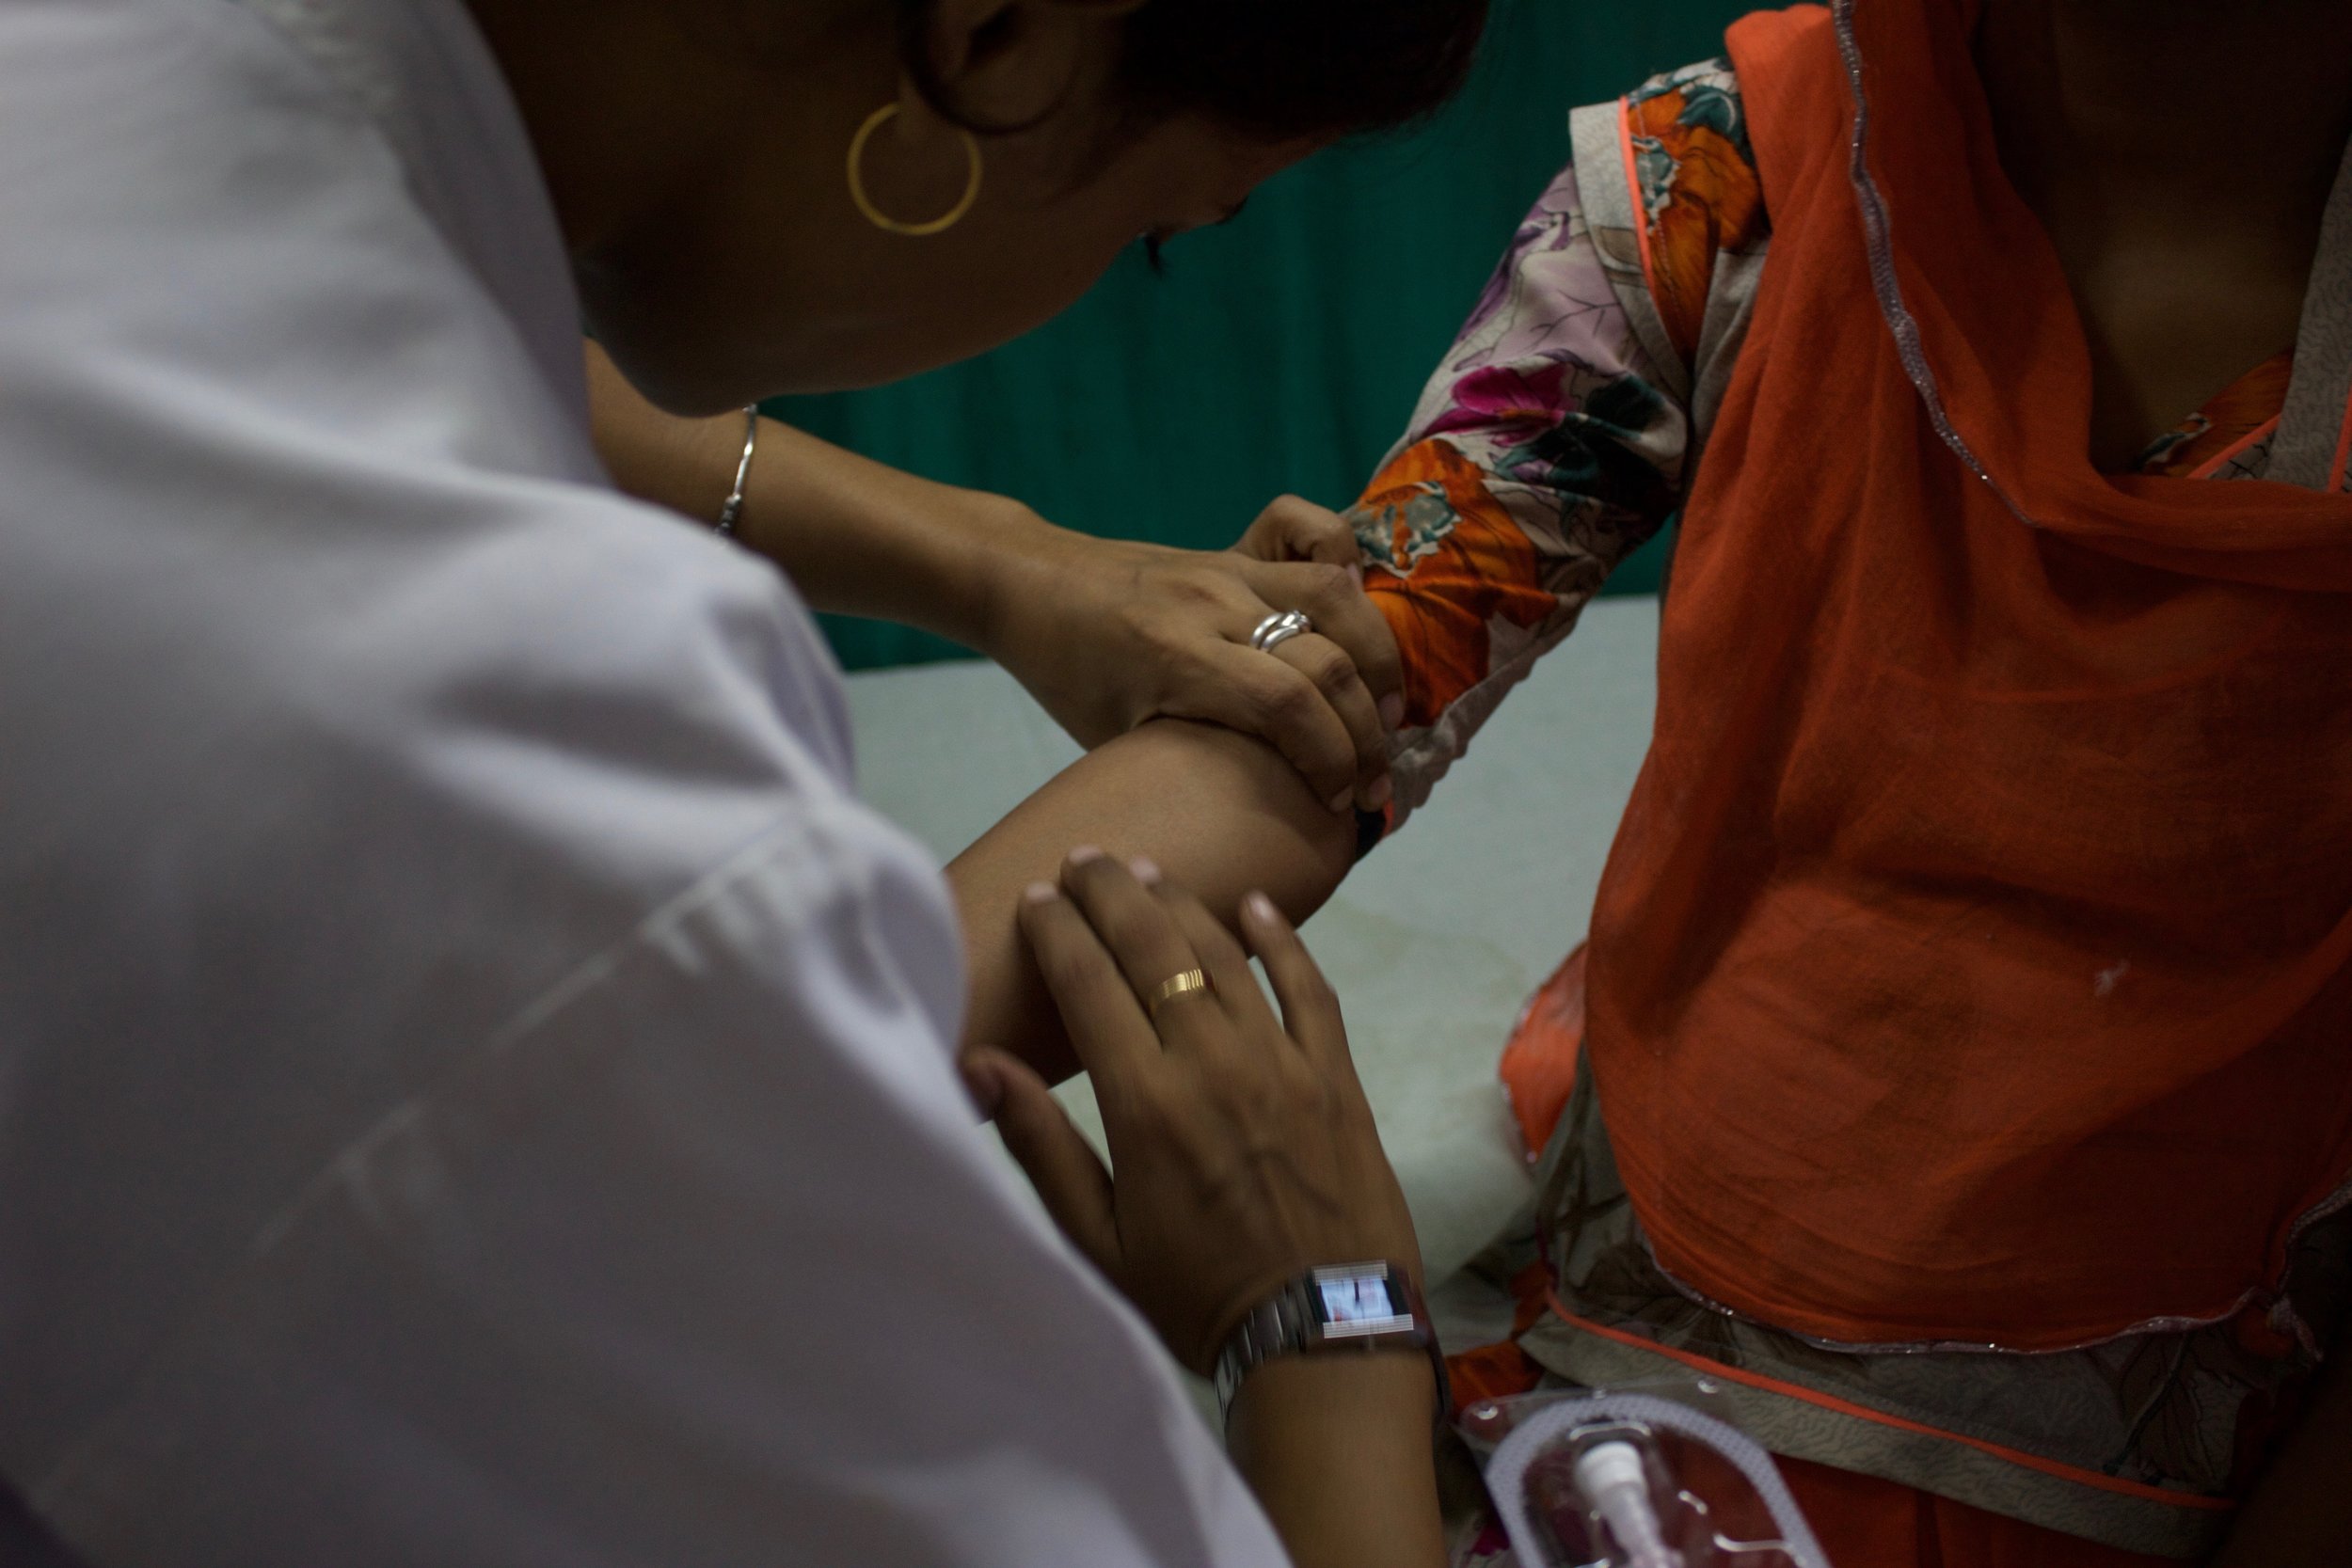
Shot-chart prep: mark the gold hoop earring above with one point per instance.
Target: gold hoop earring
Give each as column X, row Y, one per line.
column 880, row 219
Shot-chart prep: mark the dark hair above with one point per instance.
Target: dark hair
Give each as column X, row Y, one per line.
column 1277, row 69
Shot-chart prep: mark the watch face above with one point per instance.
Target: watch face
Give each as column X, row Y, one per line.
column 1357, row 1302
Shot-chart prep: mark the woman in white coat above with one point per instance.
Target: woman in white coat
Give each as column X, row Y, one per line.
column 475, row 1086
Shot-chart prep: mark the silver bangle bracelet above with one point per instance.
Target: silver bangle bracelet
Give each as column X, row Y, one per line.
column 732, row 514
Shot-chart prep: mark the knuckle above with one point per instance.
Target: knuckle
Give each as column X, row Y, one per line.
column 1295, row 701
column 1313, row 514
column 1149, row 1115
column 1327, row 587
column 1138, row 619
column 1264, row 682
column 1264, row 713
column 1331, row 670
column 1065, row 969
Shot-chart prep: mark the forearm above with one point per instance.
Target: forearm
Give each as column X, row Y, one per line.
column 1221, row 814
column 2300, row 1514
column 856, row 536
column 1337, row 1450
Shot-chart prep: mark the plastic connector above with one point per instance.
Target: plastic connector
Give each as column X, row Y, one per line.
column 1615, row 1485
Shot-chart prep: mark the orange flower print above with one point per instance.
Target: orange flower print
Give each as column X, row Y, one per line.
column 1455, row 561
column 1700, row 194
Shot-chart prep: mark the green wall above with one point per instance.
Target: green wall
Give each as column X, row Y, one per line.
column 1285, row 351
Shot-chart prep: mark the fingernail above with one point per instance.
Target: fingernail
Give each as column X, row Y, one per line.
column 1357, row 575
column 1085, row 854
column 1391, row 710
column 1041, row 892
column 1383, row 790
column 1144, row 870
column 1259, row 907
column 1344, row 800
column 985, row 1087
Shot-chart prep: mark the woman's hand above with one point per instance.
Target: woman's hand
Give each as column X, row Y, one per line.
column 1106, row 634
column 1243, row 1152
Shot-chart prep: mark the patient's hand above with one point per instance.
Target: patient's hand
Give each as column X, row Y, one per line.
column 1108, row 633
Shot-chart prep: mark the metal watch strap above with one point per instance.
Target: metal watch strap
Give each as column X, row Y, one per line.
column 1284, row 1325
column 1279, row 1325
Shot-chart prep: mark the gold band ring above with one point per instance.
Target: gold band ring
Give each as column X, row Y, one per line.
column 1192, row 982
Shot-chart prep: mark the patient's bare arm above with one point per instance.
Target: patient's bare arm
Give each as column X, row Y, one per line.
column 1222, row 813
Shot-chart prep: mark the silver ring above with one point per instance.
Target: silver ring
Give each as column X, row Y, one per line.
column 1278, row 629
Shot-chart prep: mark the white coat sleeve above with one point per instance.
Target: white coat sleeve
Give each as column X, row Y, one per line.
column 702, row 1261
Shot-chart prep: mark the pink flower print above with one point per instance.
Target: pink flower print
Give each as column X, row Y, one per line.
column 1503, row 398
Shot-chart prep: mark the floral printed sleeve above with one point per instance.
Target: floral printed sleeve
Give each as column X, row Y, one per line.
column 1551, row 443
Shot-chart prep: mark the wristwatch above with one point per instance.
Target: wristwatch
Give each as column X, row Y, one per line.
column 1349, row 1306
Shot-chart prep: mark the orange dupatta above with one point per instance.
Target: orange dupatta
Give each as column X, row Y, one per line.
column 1971, row 965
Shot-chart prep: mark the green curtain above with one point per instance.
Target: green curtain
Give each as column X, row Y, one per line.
column 1283, row 351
